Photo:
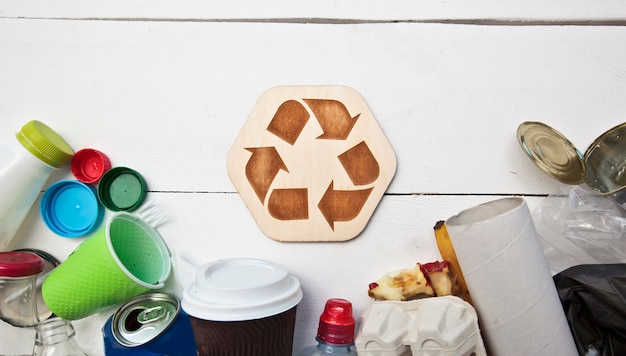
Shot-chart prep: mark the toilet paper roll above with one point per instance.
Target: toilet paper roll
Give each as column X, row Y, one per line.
column 507, row 274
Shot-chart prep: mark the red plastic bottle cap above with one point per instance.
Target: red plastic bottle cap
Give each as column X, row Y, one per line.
column 20, row 264
column 88, row 165
column 336, row 323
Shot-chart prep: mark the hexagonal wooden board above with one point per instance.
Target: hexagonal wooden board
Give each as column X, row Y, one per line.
column 311, row 163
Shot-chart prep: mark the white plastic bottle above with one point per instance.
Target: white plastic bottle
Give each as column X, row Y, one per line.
column 26, row 163
column 335, row 333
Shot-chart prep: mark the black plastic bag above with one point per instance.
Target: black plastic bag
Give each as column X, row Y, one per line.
column 594, row 300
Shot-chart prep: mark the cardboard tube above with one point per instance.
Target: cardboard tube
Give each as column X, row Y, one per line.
column 506, row 272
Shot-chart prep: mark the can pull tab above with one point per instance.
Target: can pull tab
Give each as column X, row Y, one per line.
column 151, row 315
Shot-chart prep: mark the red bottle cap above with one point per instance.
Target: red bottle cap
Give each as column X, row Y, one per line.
column 20, row 264
column 336, row 323
column 88, row 165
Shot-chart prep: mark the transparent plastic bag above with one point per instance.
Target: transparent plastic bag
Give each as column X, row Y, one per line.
column 578, row 226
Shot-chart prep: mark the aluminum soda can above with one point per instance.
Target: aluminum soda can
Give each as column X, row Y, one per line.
column 149, row 324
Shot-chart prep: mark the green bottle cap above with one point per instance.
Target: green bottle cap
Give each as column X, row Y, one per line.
column 122, row 189
column 45, row 144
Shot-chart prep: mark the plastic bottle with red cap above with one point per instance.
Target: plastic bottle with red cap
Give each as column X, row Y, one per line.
column 335, row 333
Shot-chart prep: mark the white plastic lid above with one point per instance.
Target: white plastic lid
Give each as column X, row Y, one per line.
column 239, row 289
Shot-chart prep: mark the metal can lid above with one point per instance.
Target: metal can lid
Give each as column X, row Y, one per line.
column 552, row 152
column 144, row 318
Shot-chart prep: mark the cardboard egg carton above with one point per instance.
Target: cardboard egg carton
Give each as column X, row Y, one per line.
column 439, row 326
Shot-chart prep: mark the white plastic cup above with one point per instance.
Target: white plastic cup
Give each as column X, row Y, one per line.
column 26, row 163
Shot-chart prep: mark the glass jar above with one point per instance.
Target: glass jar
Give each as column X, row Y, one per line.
column 18, row 289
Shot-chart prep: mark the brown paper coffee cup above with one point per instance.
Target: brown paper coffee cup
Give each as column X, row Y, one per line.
column 243, row 306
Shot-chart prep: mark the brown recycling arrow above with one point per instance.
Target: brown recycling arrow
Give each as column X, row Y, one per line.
column 333, row 117
column 342, row 205
column 262, row 168
column 289, row 204
column 288, row 121
column 360, row 164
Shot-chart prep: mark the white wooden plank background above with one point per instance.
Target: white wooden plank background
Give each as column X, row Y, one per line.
column 366, row 10
column 165, row 89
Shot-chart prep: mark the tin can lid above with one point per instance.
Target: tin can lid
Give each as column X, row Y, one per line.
column 143, row 318
column 88, row 165
column 71, row 209
column 122, row 189
column 20, row 264
column 552, row 152
column 237, row 289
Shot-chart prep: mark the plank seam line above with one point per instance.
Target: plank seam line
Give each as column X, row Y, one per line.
column 388, row 194
column 326, row 21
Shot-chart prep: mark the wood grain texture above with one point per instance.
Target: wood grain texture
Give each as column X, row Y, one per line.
column 324, row 11
column 168, row 99
column 311, row 163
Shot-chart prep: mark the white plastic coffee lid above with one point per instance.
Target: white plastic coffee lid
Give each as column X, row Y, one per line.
column 239, row 289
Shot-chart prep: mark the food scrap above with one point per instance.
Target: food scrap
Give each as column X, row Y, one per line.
column 421, row 281
column 447, row 253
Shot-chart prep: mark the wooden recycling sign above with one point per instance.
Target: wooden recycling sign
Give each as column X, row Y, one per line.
column 311, row 163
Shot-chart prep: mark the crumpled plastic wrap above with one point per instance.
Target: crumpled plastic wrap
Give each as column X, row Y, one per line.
column 578, row 226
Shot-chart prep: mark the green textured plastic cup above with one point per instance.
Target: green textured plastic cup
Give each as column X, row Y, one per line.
column 123, row 259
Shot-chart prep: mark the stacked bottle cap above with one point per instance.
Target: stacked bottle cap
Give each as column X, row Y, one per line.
column 75, row 208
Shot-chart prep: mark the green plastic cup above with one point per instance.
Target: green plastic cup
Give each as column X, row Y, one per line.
column 123, row 259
